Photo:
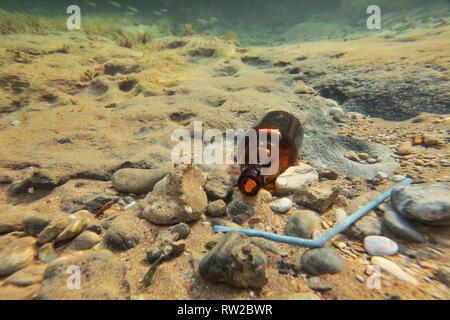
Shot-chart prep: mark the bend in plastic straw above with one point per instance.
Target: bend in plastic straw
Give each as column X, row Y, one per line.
column 322, row 240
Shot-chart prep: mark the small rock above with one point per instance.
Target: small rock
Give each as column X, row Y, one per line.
column 218, row 184
column 405, row 148
column 46, row 253
column 363, row 156
column 426, row 203
column 75, row 227
column 380, row 176
column 92, row 202
column 235, row 260
column 168, row 243
column 341, row 201
column 123, row 232
column 16, row 253
column 301, row 223
column 398, row 178
column 322, row 261
column 417, row 140
column 338, row 114
column 131, row 180
column 366, row 226
column 217, row 208
column 102, row 278
column 180, row 199
column 282, row 205
column 301, row 88
column 400, row 227
column 340, row 215
column 53, row 230
column 351, row 155
column 213, row 240
column 33, row 178
column 27, row 276
column 370, row 270
column 242, row 207
column 85, row 241
column 95, row 227
column 380, row 246
column 294, row 178
column 431, row 140
column 317, row 198
column 394, row 269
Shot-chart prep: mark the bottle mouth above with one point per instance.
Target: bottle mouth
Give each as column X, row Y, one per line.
column 250, row 182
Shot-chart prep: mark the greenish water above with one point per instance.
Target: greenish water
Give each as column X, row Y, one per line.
column 256, row 22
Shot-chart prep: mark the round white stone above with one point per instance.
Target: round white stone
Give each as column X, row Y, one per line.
column 380, row 246
column 282, row 205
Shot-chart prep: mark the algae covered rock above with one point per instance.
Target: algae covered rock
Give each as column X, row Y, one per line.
column 236, row 261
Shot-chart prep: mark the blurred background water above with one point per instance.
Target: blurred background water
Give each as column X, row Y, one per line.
column 252, row 22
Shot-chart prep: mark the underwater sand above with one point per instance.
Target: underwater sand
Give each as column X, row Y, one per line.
column 85, row 107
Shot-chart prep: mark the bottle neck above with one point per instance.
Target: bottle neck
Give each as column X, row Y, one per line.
column 250, row 181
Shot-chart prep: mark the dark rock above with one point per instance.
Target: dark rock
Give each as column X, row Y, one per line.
column 236, row 261
column 102, row 278
column 400, row 227
column 33, row 177
column 366, row 226
column 286, row 264
column 218, row 184
column 242, row 207
column 301, row 223
column 92, row 203
column 95, row 228
column 322, row 261
column 168, row 243
column 426, row 203
column 123, row 232
column 217, row 208
column 182, row 229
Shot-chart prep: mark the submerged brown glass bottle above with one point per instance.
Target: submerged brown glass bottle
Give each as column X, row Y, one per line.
column 290, row 136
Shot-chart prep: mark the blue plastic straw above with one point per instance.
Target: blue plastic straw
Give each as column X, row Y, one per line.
column 321, row 241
